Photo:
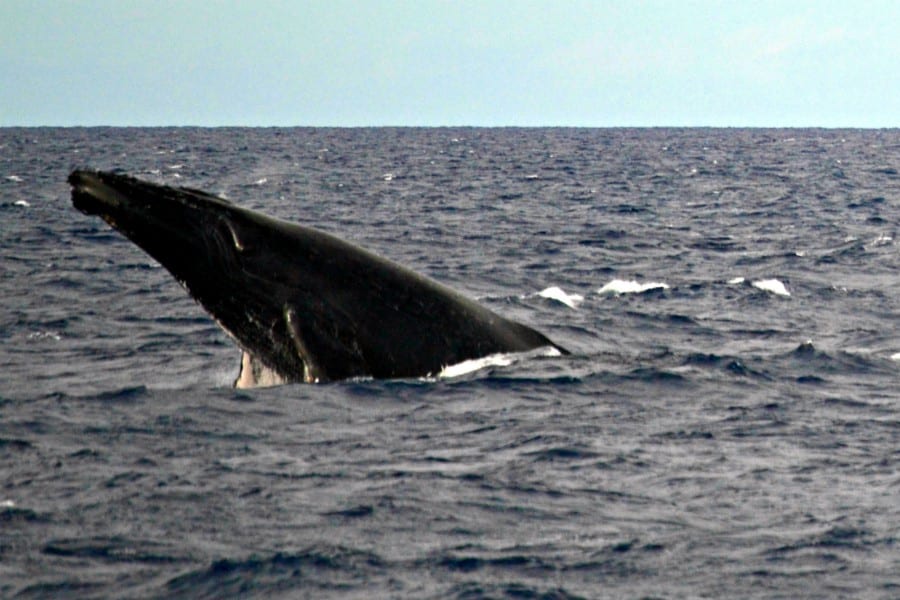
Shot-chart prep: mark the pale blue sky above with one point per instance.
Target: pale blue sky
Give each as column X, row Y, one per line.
column 429, row 62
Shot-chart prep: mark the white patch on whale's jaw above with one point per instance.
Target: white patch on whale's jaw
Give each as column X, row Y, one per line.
column 255, row 374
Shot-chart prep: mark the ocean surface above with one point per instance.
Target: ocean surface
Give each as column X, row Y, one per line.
column 727, row 425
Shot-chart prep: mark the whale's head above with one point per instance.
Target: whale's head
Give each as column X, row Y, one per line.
column 179, row 227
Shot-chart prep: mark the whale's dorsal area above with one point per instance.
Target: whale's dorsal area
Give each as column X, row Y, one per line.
column 303, row 305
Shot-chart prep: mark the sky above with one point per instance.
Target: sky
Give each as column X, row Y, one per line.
column 601, row 63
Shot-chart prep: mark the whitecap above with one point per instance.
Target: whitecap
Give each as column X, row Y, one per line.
column 14, row 178
column 895, row 356
column 388, row 176
column 772, row 285
column 882, row 240
column 261, row 181
column 736, row 281
column 44, row 335
column 557, row 293
column 22, row 203
column 620, row 286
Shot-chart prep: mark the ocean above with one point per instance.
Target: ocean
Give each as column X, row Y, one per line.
column 726, row 426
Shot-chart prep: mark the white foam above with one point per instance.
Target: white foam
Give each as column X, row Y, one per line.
column 620, row 286
column 772, row 285
column 7, row 504
column 557, row 293
column 895, row 356
column 736, row 281
column 14, row 178
column 262, row 181
column 22, row 203
column 494, row 360
column 476, row 364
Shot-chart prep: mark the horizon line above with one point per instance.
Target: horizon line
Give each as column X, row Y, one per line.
column 457, row 126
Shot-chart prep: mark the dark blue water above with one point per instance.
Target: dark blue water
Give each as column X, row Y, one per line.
column 734, row 432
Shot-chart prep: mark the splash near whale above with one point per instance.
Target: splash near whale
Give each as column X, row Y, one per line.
column 303, row 305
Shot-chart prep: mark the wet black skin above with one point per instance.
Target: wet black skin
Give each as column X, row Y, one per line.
column 305, row 304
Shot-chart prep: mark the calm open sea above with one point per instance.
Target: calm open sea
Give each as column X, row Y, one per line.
column 728, row 424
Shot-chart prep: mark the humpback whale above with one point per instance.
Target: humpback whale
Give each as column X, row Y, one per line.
column 303, row 305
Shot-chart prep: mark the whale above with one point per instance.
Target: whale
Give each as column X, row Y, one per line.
column 303, row 305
